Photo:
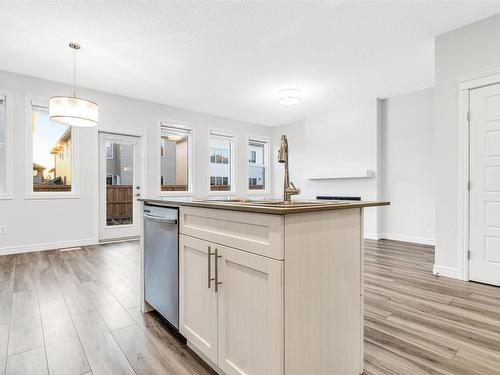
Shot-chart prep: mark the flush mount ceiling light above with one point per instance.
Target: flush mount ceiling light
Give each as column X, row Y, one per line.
column 289, row 97
column 71, row 110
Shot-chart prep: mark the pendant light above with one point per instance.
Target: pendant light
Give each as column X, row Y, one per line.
column 71, row 110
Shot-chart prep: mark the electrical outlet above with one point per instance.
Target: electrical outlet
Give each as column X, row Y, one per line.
column 3, row 229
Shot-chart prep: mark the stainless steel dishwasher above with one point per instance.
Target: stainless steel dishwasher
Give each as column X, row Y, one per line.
column 161, row 261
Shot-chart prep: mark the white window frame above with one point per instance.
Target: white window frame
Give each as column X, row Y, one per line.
column 267, row 163
column 75, row 183
column 9, row 150
column 225, row 135
column 183, row 126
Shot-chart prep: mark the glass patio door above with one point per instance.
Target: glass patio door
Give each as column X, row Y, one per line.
column 119, row 186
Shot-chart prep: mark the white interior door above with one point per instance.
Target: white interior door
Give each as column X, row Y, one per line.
column 119, row 186
column 484, row 263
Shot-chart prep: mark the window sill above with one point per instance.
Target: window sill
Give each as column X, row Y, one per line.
column 175, row 194
column 52, row 196
column 222, row 193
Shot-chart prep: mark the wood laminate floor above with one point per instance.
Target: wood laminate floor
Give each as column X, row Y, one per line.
column 77, row 312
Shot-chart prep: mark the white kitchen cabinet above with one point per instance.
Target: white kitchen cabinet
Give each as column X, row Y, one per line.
column 197, row 303
column 289, row 302
column 250, row 301
column 240, row 321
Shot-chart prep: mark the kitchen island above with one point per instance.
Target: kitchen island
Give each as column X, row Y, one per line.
column 270, row 287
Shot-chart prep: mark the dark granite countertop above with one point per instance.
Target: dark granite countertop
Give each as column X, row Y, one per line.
column 263, row 206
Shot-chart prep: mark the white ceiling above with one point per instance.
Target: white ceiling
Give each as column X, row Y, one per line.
column 230, row 58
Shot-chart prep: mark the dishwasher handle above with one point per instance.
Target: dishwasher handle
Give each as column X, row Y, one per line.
column 160, row 219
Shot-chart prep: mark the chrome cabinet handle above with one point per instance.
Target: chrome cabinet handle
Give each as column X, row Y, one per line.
column 217, row 282
column 210, row 267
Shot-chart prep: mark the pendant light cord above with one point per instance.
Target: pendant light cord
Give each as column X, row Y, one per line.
column 74, row 72
column 74, row 46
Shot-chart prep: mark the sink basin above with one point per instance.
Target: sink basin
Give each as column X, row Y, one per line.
column 231, row 200
column 294, row 203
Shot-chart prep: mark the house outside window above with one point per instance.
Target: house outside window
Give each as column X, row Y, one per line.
column 52, row 153
column 253, row 157
column 257, row 165
column 219, row 155
column 221, row 162
column 175, row 158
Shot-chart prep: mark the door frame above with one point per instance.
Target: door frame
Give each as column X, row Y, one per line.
column 465, row 85
column 143, row 142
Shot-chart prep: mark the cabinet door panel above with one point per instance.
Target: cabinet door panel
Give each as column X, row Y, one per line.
column 197, row 303
column 250, row 314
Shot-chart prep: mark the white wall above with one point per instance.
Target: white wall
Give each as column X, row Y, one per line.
column 466, row 51
column 343, row 138
column 407, row 159
column 45, row 223
column 393, row 138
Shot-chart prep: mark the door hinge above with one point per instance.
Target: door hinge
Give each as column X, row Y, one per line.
column 468, row 185
column 468, row 115
column 468, row 254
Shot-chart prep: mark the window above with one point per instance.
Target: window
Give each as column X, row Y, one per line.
column 253, row 157
column 219, row 155
column 109, row 151
column 3, row 146
column 219, row 181
column 221, row 162
column 52, row 147
column 257, row 164
column 175, row 158
column 109, row 179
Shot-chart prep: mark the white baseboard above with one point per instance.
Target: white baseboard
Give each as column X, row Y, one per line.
column 405, row 238
column 372, row 236
column 45, row 246
column 446, row 271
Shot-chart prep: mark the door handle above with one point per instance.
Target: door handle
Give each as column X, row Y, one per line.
column 209, row 265
column 217, row 282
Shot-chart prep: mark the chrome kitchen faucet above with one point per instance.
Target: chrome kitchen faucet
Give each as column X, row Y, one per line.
column 289, row 188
